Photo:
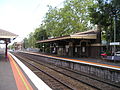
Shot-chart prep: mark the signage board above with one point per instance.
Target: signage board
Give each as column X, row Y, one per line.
column 115, row 43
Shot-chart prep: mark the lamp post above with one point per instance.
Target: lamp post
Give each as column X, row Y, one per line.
column 115, row 17
column 115, row 12
column 43, row 44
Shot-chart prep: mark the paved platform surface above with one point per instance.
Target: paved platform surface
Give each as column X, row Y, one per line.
column 94, row 60
column 11, row 79
column 114, row 63
column 7, row 81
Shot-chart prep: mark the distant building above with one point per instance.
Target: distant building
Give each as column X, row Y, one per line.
column 18, row 45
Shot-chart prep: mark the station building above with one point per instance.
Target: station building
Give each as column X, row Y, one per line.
column 82, row 44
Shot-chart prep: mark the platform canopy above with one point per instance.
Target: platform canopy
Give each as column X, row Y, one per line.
column 5, row 35
column 90, row 34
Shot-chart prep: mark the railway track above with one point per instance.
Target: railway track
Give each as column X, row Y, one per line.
column 89, row 81
column 68, row 82
column 56, row 83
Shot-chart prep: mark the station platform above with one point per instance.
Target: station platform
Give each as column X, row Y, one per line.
column 95, row 61
column 14, row 75
column 98, row 60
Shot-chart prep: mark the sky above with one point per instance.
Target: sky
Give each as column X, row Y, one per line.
column 24, row 16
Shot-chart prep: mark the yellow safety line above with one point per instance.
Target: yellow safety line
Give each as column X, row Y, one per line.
column 21, row 76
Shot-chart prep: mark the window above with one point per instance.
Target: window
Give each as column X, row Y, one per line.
column 83, row 49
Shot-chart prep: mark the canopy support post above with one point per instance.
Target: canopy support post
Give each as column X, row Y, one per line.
column 6, row 48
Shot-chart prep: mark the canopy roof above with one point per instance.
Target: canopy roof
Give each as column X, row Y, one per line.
column 6, row 35
column 90, row 34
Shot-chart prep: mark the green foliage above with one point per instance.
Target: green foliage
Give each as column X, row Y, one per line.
column 10, row 47
column 116, row 3
column 72, row 18
column 101, row 13
column 31, row 40
column 40, row 33
column 25, row 43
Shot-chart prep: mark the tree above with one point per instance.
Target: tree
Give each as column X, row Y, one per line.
column 10, row 47
column 72, row 18
column 116, row 3
column 40, row 34
column 102, row 13
column 31, row 40
column 116, row 7
column 25, row 43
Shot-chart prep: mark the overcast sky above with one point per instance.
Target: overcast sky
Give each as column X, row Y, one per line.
column 23, row 16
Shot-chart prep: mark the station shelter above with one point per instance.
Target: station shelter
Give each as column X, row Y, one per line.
column 6, row 37
column 82, row 44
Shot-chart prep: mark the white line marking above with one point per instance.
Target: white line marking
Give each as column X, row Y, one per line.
column 34, row 78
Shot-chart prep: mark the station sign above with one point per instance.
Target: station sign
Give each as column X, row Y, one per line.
column 115, row 43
